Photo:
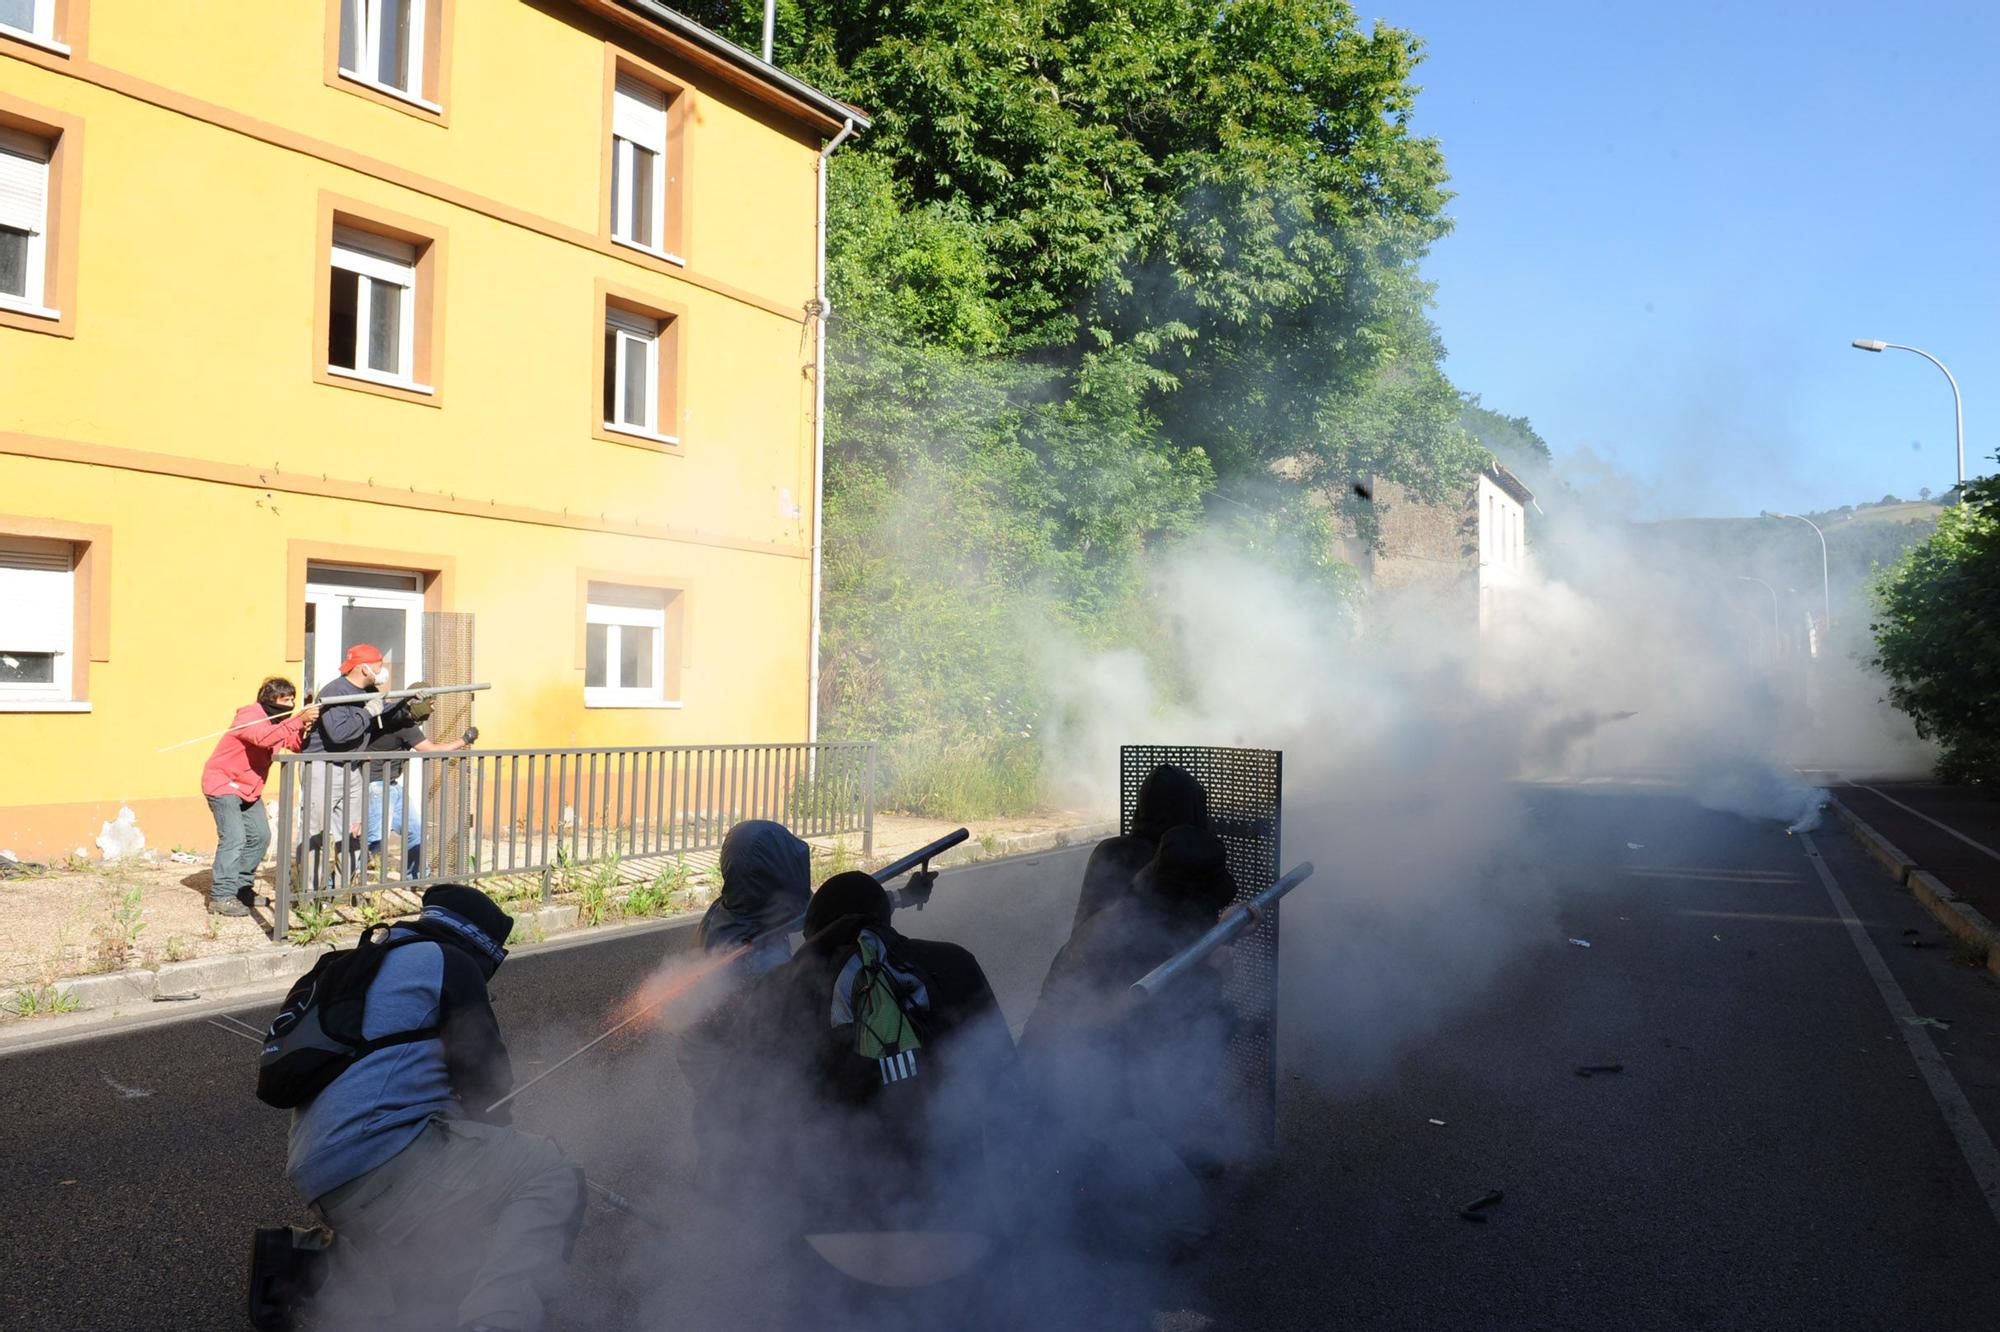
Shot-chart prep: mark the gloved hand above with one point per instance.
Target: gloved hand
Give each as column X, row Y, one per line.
column 917, row 888
column 417, row 708
column 471, row 734
column 375, row 706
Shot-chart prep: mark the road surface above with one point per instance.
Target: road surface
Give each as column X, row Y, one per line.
column 1771, row 1155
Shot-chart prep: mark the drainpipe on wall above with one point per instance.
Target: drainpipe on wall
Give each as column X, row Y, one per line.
column 819, row 434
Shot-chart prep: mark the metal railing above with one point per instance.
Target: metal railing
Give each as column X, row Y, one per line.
column 354, row 824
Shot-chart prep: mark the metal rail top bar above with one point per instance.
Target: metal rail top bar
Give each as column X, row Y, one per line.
column 360, row 755
column 1234, row 922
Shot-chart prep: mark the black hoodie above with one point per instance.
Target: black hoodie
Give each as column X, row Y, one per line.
column 1170, row 797
column 766, row 883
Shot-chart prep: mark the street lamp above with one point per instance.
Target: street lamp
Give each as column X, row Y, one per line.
column 1825, row 583
column 1777, row 630
column 1957, row 402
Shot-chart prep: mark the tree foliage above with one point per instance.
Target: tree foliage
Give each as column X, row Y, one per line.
column 1937, row 634
column 1100, row 270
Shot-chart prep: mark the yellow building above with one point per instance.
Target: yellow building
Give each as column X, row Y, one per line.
column 318, row 318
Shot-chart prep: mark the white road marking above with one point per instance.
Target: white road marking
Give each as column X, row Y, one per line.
column 1976, row 846
column 1973, row 1142
column 124, row 1092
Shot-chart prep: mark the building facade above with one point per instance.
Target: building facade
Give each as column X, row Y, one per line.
column 484, row 332
column 1472, row 555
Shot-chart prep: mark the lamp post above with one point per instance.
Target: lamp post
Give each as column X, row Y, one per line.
column 1825, row 582
column 1777, row 632
column 1957, row 402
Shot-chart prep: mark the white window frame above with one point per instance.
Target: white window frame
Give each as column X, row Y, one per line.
column 639, row 126
column 38, row 581
column 25, row 179
column 41, row 29
column 635, row 335
column 378, row 257
column 369, row 25
column 616, row 618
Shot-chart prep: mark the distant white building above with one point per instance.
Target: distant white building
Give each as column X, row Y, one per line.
column 1473, row 553
column 1500, row 507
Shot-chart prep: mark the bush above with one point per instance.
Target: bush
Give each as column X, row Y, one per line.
column 1937, row 635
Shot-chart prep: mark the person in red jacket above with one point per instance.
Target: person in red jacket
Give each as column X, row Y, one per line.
column 233, row 781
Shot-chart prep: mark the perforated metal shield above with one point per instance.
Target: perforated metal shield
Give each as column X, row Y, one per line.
column 1245, row 798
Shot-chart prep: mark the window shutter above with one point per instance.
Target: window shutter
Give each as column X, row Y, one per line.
column 639, row 114
column 37, row 610
column 643, row 326
column 24, row 181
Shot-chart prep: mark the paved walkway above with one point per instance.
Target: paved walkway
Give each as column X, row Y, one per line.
column 1951, row 831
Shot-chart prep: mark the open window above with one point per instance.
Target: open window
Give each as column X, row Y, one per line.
column 639, row 371
column 392, row 50
column 39, row 179
column 644, row 161
column 378, row 303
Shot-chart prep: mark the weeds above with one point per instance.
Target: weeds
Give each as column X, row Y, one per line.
column 838, row 859
column 118, row 938
column 41, row 1001
column 989, row 843
column 176, row 949
column 370, row 915
column 595, row 901
column 656, row 896
column 316, row 921
column 1973, row 952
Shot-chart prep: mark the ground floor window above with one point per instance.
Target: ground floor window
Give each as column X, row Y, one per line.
column 37, row 619
column 630, row 656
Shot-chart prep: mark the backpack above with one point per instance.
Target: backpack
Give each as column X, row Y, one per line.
column 880, row 1010
column 316, row 1035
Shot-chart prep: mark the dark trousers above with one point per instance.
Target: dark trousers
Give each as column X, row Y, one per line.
column 242, row 835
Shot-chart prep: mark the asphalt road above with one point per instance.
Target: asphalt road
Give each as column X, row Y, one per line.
column 1769, row 1156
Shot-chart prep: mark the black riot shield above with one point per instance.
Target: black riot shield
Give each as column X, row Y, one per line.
column 1245, row 794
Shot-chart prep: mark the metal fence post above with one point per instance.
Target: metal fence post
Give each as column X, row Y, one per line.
column 281, row 900
column 868, row 807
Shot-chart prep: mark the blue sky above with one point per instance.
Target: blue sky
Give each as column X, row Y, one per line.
column 1671, row 220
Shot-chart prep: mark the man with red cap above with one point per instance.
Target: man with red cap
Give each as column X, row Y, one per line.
column 335, row 790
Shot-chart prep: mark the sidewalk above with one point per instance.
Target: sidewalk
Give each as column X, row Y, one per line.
column 97, row 935
column 1942, row 843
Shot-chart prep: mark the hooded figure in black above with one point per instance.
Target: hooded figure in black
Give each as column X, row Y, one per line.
column 865, row 1072
column 766, row 883
column 1170, row 797
column 1134, row 1091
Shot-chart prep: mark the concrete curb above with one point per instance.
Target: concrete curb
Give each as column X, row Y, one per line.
column 1965, row 921
column 1900, row 866
column 274, row 964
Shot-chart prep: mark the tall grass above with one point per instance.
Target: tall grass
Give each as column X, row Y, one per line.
column 963, row 779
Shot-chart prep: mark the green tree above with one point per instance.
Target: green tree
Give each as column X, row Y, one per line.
column 1937, row 634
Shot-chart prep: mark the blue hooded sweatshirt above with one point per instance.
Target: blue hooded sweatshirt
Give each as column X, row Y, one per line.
column 376, row 1108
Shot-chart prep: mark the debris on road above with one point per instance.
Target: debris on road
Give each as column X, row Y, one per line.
column 1635, row 846
column 1942, row 1024
column 125, row 1093
column 1476, row 1209
column 180, row 997
column 1581, row 943
column 1438, row 1122
column 184, row 858
column 1591, row 1070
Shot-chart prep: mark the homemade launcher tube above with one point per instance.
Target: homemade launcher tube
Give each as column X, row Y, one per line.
column 1239, row 919
column 921, row 855
column 428, row 691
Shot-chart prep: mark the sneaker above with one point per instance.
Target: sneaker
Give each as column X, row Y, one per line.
column 227, row 906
